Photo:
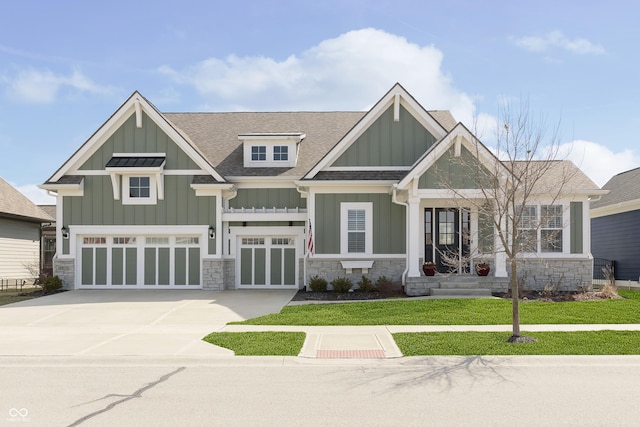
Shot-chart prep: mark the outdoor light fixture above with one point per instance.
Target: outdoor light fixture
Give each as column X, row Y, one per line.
column 65, row 232
column 212, row 232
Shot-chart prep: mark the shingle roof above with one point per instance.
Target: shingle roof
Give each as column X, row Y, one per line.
column 14, row 204
column 360, row 175
column 49, row 210
column 560, row 172
column 622, row 187
column 216, row 135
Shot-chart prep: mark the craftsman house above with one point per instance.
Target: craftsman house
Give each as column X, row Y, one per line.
column 270, row 199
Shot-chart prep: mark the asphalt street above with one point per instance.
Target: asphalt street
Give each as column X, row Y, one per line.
column 292, row 391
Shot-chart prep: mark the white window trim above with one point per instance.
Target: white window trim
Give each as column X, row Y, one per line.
column 153, row 194
column 564, row 230
column 344, row 231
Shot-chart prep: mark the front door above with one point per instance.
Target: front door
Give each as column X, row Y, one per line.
column 447, row 239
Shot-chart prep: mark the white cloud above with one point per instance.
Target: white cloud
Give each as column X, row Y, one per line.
column 349, row 72
column 32, row 86
column 558, row 40
column 35, row 194
column 598, row 161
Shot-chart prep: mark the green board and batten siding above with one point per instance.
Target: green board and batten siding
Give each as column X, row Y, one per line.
column 389, row 223
column 576, row 227
column 375, row 146
column 147, row 139
column 180, row 205
column 449, row 171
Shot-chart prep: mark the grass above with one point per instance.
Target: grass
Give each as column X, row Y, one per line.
column 495, row 343
column 259, row 343
column 456, row 312
column 11, row 296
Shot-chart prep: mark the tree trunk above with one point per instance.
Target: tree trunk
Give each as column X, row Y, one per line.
column 515, row 300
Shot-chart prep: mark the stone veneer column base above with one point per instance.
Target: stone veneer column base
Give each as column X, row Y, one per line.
column 218, row 274
column 65, row 270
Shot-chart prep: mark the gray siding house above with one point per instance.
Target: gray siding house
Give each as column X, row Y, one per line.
column 267, row 200
column 20, row 225
column 614, row 224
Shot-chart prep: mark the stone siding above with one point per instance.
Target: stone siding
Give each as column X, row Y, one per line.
column 331, row 269
column 213, row 275
column 229, row 269
column 562, row 274
column 65, row 270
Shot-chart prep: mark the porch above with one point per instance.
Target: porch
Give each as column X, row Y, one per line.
column 455, row 285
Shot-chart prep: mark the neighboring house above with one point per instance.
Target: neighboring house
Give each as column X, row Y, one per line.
column 614, row 224
column 48, row 243
column 20, row 221
column 228, row 200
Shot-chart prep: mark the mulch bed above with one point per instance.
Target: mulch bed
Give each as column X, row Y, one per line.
column 393, row 291
column 397, row 292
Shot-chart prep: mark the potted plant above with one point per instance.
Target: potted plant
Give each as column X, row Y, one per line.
column 482, row 268
column 429, row 268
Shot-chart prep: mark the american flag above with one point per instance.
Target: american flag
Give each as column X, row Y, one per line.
column 310, row 240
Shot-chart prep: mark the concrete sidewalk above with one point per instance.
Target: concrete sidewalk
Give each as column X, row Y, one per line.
column 376, row 342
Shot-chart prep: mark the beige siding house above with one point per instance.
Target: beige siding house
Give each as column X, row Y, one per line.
column 20, row 224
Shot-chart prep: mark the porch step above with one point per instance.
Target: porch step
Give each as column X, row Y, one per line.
column 459, row 283
column 461, row 292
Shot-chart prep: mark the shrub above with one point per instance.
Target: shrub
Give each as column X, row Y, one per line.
column 341, row 284
column 384, row 285
column 318, row 284
column 366, row 285
column 51, row 284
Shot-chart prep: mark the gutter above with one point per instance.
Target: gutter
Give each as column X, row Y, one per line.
column 394, row 199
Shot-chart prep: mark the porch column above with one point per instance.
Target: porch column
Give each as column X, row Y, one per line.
column 413, row 245
column 500, row 259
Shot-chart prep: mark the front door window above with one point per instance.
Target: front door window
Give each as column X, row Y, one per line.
column 447, row 238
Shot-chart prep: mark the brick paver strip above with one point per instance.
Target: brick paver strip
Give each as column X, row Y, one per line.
column 350, row 354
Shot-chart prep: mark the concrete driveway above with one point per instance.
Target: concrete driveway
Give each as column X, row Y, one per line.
column 128, row 322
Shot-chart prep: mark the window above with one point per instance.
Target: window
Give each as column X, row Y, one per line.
column 527, row 235
column 94, row 240
column 545, row 229
column 124, row 240
column 356, row 221
column 258, row 153
column 253, row 240
column 187, row 241
column 157, row 240
column 551, row 228
column 139, row 187
column 139, row 190
column 281, row 153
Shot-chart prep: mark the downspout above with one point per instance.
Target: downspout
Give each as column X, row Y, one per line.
column 395, row 200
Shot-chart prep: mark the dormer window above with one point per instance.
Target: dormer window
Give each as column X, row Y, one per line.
column 271, row 149
column 280, row 153
column 258, row 153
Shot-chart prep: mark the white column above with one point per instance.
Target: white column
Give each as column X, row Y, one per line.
column 500, row 257
column 414, row 237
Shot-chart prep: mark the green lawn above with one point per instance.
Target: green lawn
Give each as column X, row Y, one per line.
column 11, row 296
column 495, row 343
column 456, row 312
column 259, row 343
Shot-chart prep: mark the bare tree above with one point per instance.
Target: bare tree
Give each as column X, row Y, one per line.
column 524, row 168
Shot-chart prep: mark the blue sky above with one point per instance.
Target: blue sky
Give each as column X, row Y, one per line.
column 66, row 66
